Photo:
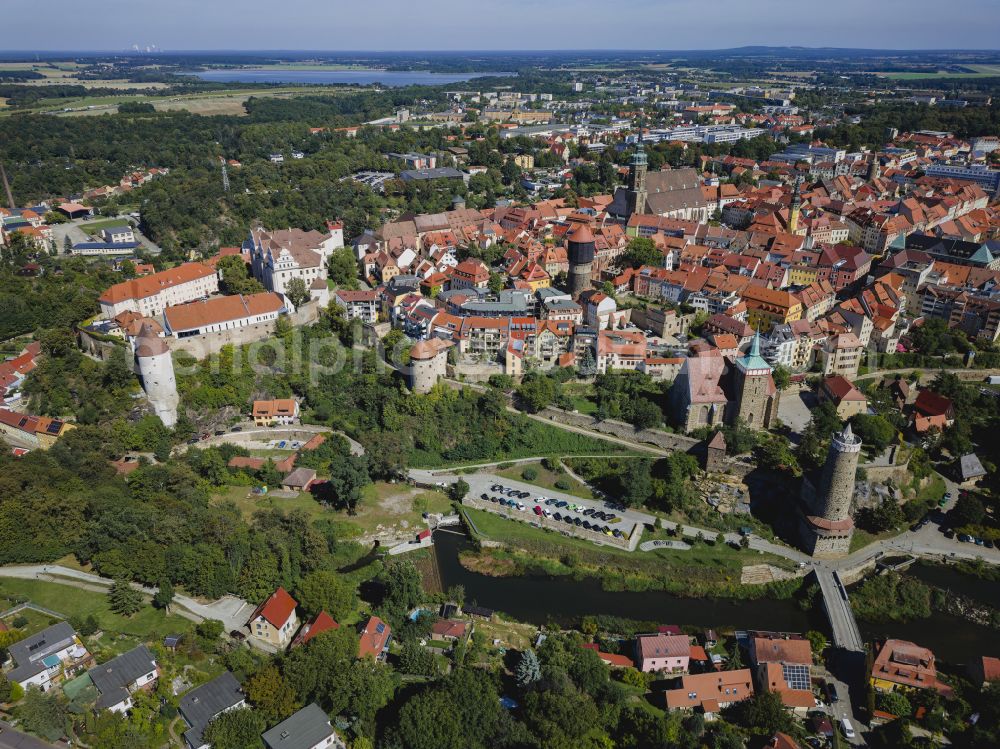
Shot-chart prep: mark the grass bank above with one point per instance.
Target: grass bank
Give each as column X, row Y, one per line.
column 704, row 570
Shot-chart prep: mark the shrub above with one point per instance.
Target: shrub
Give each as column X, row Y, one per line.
column 529, row 474
column 563, row 484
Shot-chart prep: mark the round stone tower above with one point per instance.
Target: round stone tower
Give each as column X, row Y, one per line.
column 157, row 373
column 580, row 248
column 828, row 526
column 428, row 361
column 837, row 484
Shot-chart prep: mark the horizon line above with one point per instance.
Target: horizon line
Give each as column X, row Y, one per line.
column 178, row 50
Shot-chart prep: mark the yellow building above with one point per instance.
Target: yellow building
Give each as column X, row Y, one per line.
column 769, row 307
column 803, row 275
column 275, row 621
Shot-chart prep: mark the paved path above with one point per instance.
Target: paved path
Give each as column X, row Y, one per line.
column 230, row 610
column 838, row 610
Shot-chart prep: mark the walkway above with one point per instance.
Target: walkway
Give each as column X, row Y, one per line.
column 230, row 610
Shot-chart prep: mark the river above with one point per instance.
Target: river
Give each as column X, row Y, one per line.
column 562, row 600
column 361, row 77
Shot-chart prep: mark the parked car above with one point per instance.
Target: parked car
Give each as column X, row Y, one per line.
column 831, row 692
column 847, row 728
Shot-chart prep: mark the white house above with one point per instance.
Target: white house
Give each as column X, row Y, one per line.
column 309, row 728
column 47, row 657
column 202, row 704
column 118, row 234
column 118, row 679
column 150, row 295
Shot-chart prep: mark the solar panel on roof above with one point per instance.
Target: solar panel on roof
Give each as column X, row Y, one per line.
column 379, row 628
column 54, row 427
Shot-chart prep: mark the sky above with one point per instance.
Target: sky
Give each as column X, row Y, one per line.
column 379, row 25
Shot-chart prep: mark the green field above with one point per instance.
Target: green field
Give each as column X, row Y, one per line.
column 95, row 227
column 71, row 601
column 980, row 71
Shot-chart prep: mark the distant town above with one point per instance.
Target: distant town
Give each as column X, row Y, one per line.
column 634, row 403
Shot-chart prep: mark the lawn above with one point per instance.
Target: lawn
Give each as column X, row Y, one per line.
column 248, row 504
column 148, row 624
column 547, row 479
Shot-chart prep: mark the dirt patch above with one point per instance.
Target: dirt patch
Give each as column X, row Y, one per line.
column 426, row 565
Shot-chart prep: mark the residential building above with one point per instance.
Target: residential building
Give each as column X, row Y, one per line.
column 48, row 657
column 984, row 671
column 299, row 480
column 900, row 664
column 275, row 621
column 221, row 314
column 598, row 309
column 710, row 692
column 118, row 679
column 358, row 305
column 151, row 295
column 375, row 637
column 448, row 629
column 203, row 704
column 31, row 432
column 842, row 393
column 769, row 307
column 470, row 274
column 841, row 355
column 782, row 664
column 280, row 411
column 118, row 234
column 319, row 624
column 667, row 653
column 308, row 728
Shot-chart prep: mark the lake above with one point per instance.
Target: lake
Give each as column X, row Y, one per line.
column 361, row 77
column 564, row 601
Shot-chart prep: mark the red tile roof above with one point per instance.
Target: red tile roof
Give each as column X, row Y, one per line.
column 276, row 609
column 323, row 622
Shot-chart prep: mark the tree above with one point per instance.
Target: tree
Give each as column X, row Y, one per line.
column 123, row 599
column 646, row 414
column 236, row 729
column 343, row 268
column 324, row 590
column 817, row 641
column 537, row 391
column 782, row 377
column 968, row 510
column 5, row 689
column 236, row 278
column 271, row 694
column 875, row 432
column 164, row 594
column 401, row 589
column 764, row 713
column 297, row 292
column 348, row 476
column 458, row 490
column 529, row 671
column 642, row 251
column 497, row 282
column 417, row 661
column 637, row 482
column 43, row 713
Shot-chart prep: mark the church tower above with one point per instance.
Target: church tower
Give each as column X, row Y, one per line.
column 793, row 216
column 874, row 169
column 756, row 392
column 637, row 180
column 828, row 525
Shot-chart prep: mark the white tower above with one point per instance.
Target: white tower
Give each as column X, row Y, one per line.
column 157, row 373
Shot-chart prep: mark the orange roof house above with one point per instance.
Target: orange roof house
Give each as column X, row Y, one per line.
column 322, row 622
column 278, row 411
column 375, row 636
column 902, row 664
column 274, row 621
column 710, row 691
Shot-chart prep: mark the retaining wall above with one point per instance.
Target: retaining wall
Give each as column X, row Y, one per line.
column 622, row 430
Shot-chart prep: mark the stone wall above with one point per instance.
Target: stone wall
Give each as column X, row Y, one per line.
column 211, row 343
column 554, row 525
column 622, row 430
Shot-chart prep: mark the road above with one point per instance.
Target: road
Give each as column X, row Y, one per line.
column 838, row 610
column 230, row 610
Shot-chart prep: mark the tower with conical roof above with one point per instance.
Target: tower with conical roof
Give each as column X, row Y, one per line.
column 756, row 394
column 793, row 215
column 828, row 526
column 157, row 372
column 580, row 247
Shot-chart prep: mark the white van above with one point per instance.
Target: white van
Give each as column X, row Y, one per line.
column 847, row 728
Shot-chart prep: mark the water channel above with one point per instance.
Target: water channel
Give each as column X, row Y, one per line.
column 563, row 600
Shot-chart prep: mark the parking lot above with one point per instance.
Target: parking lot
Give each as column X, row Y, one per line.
column 483, row 483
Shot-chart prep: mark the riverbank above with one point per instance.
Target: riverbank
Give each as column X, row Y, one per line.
column 512, row 549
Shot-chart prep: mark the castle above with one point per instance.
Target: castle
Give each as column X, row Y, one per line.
column 157, row 372
column 711, row 390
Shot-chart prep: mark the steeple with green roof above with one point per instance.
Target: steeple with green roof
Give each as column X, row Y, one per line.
column 753, row 362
